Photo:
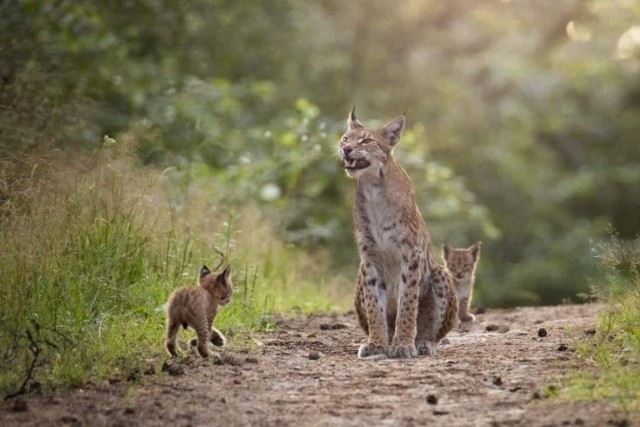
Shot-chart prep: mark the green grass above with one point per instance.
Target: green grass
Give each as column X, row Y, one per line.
column 89, row 254
column 613, row 354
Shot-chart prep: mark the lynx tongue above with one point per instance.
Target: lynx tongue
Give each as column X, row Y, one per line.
column 353, row 164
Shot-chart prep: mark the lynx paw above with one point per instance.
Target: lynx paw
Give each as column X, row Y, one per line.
column 402, row 351
column 468, row 317
column 370, row 349
column 426, row 349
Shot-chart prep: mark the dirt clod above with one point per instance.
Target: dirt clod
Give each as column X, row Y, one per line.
column 20, row 405
column 314, row 355
column 497, row 328
column 497, row 380
column 563, row 347
column 172, row 369
column 432, row 399
column 542, row 332
column 332, row 326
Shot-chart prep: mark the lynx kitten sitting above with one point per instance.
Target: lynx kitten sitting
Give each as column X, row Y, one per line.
column 462, row 265
column 197, row 306
column 404, row 301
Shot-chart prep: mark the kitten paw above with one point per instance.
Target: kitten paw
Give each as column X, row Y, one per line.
column 467, row 317
column 426, row 349
column 402, row 351
column 370, row 349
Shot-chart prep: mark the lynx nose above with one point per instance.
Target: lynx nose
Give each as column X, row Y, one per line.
column 346, row 151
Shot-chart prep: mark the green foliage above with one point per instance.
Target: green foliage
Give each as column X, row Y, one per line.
column 522, row 128
column 90, row 253
column 614, row 351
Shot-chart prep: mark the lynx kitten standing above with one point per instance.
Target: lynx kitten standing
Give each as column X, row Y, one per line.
column 197, row 306
column 462, row 265
column 404, row 302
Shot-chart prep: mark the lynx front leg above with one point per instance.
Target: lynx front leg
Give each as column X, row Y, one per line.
column 359, row 302
column 403, row 345
column 375, row 301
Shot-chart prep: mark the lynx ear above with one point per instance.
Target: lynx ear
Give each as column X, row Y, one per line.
column 475, row 249
column 353, row 121
column 227, row 272
column 392, row 131
column 204, row 271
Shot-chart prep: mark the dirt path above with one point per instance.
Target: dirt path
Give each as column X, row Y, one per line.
column 493, row 372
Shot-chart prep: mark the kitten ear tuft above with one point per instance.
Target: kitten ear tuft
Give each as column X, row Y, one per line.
column 226, row 273
column 204, row 271
column 475, row 249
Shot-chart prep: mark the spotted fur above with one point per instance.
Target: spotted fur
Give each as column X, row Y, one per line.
column 197, row 306
column 396, row 277
column 462, row 264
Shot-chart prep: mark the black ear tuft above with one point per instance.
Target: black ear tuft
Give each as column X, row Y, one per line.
column 353, row 120
column 204, row 271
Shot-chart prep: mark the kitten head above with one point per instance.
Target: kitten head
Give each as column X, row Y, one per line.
column 220, row 283
column 461, row 262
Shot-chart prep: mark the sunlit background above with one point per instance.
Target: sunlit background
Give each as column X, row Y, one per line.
column 523, row 121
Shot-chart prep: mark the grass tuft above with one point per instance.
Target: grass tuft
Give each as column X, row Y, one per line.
column 89, row 253
column 614, row 351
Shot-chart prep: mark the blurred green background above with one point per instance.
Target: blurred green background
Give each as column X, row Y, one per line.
column 523, row 116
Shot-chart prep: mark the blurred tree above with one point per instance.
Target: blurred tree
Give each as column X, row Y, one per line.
column 523, row 116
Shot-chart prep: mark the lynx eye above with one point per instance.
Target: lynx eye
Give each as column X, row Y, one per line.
column 345, row 139
column 367, row 141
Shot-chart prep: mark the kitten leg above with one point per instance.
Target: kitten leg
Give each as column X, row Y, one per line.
column 203, row 333
column 463, row 311
column 217, row 338
column 170, row 339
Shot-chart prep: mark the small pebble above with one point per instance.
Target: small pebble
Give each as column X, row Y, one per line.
column 432, row 399
column 314, row 355
column 542, row 332
column 563, row 347
column 497, row 381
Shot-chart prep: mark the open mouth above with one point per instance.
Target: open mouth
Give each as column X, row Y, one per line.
column 356, row 164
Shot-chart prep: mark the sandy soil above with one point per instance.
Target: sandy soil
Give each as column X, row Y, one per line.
column 492, row 372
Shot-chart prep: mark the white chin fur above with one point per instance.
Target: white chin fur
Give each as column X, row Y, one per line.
column 356, row 173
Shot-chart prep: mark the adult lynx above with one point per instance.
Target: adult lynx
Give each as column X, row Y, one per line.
column 404, row 301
